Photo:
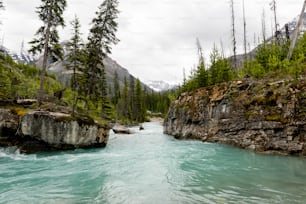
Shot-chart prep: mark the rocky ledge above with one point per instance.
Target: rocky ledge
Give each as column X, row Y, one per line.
column 49, row 131
column 260, row 116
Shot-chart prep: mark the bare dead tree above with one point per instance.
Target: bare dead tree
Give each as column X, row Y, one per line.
column 200, row 51
column 234, row 34
column 222, row 49
column 273, row 8
column 244, row 34
column 263, row 25
column 296, row 33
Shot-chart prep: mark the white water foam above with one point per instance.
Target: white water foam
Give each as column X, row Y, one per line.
column 14, row 153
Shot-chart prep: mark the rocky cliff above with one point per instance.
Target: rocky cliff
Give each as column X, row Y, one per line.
column 260, row 116
column 48, row 131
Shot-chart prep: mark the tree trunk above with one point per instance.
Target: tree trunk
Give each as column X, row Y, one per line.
column 296, row 33
column 74, row 88
column 234, row 36
column 45, row 60
column 244, row 34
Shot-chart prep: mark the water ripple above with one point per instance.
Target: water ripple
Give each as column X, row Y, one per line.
column 149, row 167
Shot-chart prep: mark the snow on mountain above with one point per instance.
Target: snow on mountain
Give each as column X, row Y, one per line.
column 21, row 57
column 160, row 86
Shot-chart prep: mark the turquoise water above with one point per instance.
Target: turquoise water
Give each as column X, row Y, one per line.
column 150, row 167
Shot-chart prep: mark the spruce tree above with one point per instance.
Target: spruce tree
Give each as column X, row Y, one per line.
column 139, row 107
column 50, row 13
column 75, row 59
column 101, row 38
column 132, row 98
column 116, row 95
column 214, row 68
column 105, row 102
column 124, row 101
column 201, row 75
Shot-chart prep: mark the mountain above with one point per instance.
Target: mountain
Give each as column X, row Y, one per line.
column 22, row 57
column 63, row 75
column 111, row 66
column 160, row 86
column 292, row 26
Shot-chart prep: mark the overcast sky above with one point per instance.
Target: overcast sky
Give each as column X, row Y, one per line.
column 157, row 37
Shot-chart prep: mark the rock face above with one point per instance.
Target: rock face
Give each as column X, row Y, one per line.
column 47, row 131
column 8, row 126
column 260, row 116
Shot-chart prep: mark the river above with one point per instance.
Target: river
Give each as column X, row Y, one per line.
column 150, row 167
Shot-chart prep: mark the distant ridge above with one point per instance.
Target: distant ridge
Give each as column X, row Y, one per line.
column 21, row 57
column 111, row 66
column 160, row 86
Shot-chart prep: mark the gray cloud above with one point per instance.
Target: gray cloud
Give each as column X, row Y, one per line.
column 157, row 37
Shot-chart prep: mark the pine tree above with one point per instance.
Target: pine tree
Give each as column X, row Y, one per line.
column 75, row 59
column 116, row 89
column 201, row 75
column 124, row 101
column 105, row 102
column 101, row 38
column 139, row 107
column 214, row 68
column 132, row 97
column 50, row 13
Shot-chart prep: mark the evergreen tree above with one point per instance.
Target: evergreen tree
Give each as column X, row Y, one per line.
column 124, row 101
column 131, row 99
column 50, row 13
column 101, row 37
column 201, row 75
column 139, row 107
column 75, row 59
column 116, row 94
column 214, row 67
column 105, row 102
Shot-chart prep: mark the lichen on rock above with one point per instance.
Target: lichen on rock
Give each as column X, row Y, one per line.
column 45, row 131
column 260, row 116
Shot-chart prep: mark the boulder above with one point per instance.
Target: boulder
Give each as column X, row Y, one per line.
column 48, row 131
column 9, row 122
column 119, row 129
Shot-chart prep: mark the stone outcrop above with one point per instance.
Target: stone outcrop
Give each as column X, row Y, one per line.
column 260, row 116
column 9, row 123
column 120, row 129
column 48, row 131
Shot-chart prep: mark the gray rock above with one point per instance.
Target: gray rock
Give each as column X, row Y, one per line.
column 248, row 119
column 120, row 129
column 45, row 131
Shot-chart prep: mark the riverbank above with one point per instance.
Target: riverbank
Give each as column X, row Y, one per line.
column 262, row 116
column 36, row 130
